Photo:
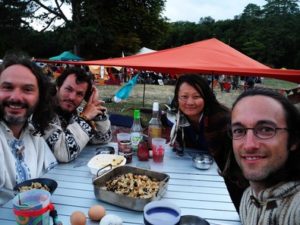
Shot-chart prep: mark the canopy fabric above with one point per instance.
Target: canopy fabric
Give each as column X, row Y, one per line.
column 65, row 56
column 206, row 57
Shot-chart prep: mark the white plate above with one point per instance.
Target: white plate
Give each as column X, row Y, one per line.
column 102, row 160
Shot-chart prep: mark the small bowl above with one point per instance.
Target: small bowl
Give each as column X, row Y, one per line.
column 161, row 212
column 202, row 161
column 105, row 150
column 192, row 220
column 38, row 183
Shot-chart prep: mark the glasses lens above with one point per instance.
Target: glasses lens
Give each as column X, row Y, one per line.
column 264, row 131
column 237, row 132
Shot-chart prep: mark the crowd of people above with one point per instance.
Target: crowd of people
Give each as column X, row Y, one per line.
column 256, row 144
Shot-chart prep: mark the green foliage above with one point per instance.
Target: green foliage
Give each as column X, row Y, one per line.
column 106, row 28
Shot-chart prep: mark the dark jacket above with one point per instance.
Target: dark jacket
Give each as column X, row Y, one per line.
column 211, row 135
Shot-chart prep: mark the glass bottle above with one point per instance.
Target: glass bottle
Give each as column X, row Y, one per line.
column 136, row 130
column 155, row 125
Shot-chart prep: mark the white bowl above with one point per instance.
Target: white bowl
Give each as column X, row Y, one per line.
column 103, row 160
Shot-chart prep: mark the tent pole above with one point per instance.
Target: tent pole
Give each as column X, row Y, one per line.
column 144, row 93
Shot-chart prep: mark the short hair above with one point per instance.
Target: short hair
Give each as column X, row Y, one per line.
column 292, row 117
column 43, row 112
column 81, row 77
column 201, row 85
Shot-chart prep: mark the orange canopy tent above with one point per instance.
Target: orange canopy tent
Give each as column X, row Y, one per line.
column 206, row 57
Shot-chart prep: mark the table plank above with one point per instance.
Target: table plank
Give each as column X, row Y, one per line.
column 196, row 192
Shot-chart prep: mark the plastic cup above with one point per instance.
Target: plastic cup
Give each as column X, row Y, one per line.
column 158, row 149
column 123, row 136
column 32, row 207
column 124, row 146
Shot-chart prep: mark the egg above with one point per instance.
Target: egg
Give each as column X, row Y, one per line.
column 78, row 218
column 96, row 212
column 111, row 219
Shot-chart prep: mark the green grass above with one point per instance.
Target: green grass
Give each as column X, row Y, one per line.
column 163, row 94
column 278, row 84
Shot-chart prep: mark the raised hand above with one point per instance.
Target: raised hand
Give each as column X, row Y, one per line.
column 94, row 107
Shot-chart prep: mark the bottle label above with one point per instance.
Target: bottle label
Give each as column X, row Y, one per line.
column 154, row 131
column 136, row 137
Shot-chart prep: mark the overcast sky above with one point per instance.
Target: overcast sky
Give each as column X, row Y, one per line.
column 193, row 10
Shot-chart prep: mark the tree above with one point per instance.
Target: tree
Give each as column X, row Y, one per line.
column 252, row 11
column 12, row 23
column 104, row 26
column 281, row 7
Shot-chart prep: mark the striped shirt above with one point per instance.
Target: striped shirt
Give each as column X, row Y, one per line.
column 278, row 205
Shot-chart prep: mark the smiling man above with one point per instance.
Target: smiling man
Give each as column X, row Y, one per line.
column 23, row 97
column 265, row 131
column 71, row 130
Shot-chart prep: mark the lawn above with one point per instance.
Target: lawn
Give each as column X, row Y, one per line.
column 164, row 94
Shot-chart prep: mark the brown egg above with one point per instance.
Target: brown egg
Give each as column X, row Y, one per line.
column 96, row 212
column 78, row 218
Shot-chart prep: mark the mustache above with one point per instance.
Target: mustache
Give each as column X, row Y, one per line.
column 15, row 103
column 70, row 102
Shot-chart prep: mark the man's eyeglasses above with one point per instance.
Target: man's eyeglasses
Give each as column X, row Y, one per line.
column 261, row 131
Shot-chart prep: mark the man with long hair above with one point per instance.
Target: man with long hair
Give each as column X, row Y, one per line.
column 265, row 131
column 24, row 97
column 72, row 128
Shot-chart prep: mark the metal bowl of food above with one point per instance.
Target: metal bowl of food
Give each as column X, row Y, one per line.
column 202, row 161
column 38, row 183
column 117, row 187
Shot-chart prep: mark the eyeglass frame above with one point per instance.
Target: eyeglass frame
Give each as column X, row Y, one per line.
column 255, row 130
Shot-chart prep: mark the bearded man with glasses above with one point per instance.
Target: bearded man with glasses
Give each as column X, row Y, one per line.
column 265, row 132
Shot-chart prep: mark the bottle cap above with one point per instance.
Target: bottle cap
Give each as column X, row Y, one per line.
column 155, row 106
column 136, row 114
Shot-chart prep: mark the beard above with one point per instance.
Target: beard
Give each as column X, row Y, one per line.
column 12, row 119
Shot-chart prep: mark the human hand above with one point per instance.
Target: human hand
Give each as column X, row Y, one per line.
column 94, row 107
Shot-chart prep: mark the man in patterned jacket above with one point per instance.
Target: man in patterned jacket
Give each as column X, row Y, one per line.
column 265, row 131
column 71, row 130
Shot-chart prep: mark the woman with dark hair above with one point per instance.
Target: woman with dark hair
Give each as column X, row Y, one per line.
column 265, row 132
column 201, row 123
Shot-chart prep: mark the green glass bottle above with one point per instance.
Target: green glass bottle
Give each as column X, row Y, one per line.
column 136, row 130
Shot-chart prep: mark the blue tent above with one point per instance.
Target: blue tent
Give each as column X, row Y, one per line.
column 66, row 56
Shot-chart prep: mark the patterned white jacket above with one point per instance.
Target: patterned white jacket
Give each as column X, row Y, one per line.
column 67, row 138
column 21, row 159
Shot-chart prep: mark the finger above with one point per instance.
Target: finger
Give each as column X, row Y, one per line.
column 91, row 99
column 96, row 91
column 102, row 109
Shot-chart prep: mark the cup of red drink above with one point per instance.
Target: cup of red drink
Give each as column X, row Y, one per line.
column 143, row 152
column 158, row 149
